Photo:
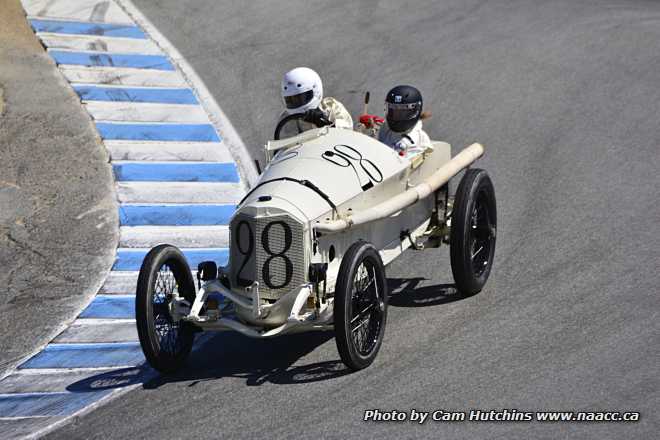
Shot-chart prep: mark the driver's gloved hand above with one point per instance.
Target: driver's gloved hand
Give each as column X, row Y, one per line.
column 316, row 117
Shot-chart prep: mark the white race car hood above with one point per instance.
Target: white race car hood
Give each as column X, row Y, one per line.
column 325, row 167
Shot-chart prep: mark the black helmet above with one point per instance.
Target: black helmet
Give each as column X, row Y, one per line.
column 403, row 106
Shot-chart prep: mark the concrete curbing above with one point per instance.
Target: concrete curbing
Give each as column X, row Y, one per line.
column 43, row 135
column 216, row 115
column 135, row 86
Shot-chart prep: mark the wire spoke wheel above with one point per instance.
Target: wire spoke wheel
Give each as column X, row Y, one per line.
column 360, row 305
column 365, row 319
column 166, row 328
column 482, row 236
column 473, row 231
column 164, row 275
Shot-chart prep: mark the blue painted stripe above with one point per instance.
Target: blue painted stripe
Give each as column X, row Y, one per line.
column 175, row 215
column 131, row 259
column 158, row 132
column 123, row 94
column 87, row 355
column 176, row 172
column 76, row 28
column 111, row 307
column 155, row 62
column 46, row 404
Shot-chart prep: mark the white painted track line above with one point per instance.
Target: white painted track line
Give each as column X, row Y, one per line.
column 125, row 76
column 28, row 419
column 178, row 192
column 167, row 151
column 180, row 236
column 83, row 10
column 124, row 282
column 111, row 330
column 98, row 43
column 120, row 283
column 146, row 112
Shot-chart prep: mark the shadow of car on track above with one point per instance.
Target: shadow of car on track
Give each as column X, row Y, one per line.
column 407, row 292
column 109, row 380
column 230, row 354
column 259, row 361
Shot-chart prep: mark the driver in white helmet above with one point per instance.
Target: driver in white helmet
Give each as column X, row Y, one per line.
column 302, row 92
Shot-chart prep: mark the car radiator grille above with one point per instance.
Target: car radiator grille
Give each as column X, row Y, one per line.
column 269, row 250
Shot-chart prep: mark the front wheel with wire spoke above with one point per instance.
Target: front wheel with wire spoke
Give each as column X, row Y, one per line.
column 473, row 231
column 360, row 309
column 166, row 342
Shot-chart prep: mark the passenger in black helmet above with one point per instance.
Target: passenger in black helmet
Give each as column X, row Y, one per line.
column 403, row 131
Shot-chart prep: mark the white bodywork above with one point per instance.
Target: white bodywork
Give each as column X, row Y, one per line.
column 360, row 190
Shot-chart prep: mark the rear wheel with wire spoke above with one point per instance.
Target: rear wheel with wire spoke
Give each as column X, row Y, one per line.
column 360, row 309
column 166, row 342
column 473, row 231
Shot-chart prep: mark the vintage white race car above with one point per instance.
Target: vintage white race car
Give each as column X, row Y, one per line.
column 310, row 241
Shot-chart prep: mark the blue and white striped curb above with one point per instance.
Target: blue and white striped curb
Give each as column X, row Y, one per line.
column 177, row 182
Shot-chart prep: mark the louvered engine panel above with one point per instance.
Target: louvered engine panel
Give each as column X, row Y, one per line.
column 270, row 250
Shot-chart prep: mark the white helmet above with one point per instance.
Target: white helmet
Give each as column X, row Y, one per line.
column 302, row 90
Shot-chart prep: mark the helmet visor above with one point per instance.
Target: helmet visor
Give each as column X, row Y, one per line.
column 298, row 100
column 402, row 112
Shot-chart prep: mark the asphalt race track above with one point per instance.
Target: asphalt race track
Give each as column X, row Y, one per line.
column 566, row 96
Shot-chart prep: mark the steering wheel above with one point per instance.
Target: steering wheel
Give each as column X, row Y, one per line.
column 293, row 117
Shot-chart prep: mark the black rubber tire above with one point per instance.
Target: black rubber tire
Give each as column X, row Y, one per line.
column 157, row 357
column 343, row 308
column 475, row 187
